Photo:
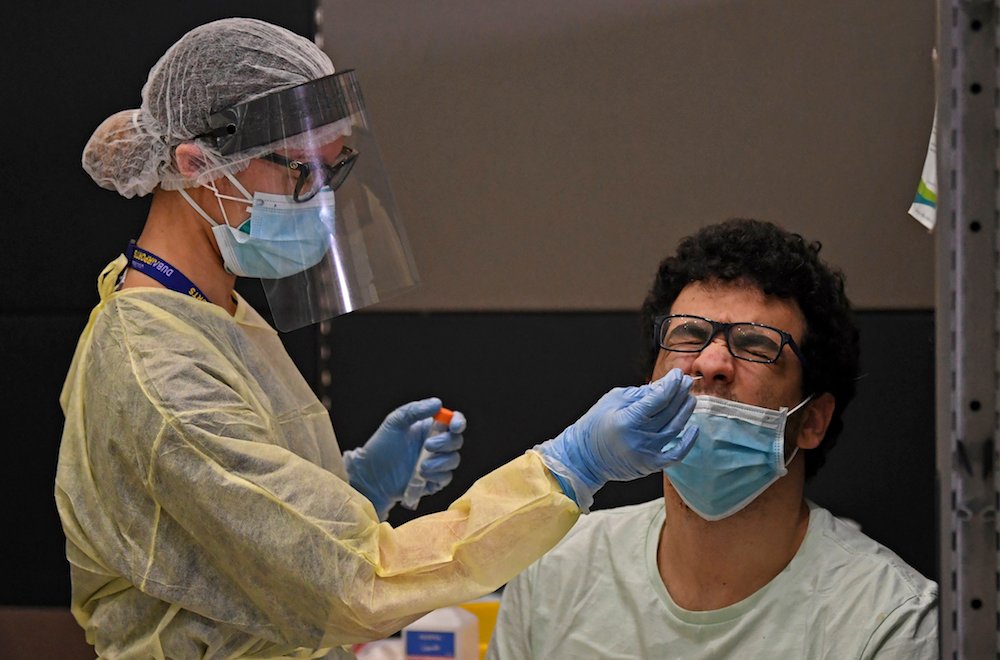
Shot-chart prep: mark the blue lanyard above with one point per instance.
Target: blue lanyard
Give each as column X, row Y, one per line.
column 148, row 263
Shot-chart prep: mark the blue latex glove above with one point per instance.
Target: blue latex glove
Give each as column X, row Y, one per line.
column 382, row 468
column 629, row 433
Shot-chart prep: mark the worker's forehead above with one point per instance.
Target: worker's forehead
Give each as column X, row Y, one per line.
column 326, row 152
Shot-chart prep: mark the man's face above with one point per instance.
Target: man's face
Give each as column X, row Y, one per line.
column 768, row 385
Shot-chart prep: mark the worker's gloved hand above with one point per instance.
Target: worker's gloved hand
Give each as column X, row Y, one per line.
column 382, row 468
column 629, row 433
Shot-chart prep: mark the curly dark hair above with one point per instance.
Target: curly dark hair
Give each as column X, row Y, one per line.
column 784, row 265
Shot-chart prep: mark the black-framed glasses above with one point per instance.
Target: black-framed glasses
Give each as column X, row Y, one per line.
column 313, row 177
column 753, row 342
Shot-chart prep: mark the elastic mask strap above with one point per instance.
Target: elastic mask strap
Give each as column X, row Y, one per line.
column 197, row 208
column 804, row 402
column 218, row 198
column 247, row 198
column 794, row 452
column 796, row 408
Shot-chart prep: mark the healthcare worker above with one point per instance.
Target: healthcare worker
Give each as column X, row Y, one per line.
column 207, row 507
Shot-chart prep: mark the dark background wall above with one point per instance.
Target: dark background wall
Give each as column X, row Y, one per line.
column 69, row 66
column 519, row 376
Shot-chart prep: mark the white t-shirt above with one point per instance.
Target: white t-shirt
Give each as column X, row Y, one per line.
column 598, row 594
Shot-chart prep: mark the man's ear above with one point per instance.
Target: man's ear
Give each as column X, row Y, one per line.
column 818, row 413
column 190, row 160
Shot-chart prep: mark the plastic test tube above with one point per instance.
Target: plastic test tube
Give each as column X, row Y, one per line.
column 415, row 489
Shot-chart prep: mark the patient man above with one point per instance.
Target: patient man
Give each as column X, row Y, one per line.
column 733, row 562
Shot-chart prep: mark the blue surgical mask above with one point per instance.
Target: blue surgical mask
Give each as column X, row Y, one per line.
column 281, row 237
column 739, row 453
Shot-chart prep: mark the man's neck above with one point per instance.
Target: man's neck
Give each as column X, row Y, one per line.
column 709, row 565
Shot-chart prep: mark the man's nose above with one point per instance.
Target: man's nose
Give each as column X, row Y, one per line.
column 715, row 363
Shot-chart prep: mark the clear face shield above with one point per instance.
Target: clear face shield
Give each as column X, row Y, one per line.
column 333, row 242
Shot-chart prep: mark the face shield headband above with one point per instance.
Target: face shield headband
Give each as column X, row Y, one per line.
column 354, row 225
column 287, row 112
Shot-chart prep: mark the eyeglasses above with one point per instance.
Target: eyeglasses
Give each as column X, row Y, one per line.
column 313, row 177
column 753, row 342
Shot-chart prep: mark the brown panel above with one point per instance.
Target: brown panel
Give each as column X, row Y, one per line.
column 548, row 155
column 30, row 633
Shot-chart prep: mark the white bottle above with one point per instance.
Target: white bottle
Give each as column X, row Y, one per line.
column 415, row 489
column 449, row 633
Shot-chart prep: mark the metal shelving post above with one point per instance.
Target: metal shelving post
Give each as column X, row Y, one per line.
column 967, row 327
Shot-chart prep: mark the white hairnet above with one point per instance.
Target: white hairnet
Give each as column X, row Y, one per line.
column 211, row 68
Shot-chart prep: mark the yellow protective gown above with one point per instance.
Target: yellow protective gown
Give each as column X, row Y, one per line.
column 208, row 514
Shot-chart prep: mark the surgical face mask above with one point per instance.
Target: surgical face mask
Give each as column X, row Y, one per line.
column 739, row 452
column 281, row 237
